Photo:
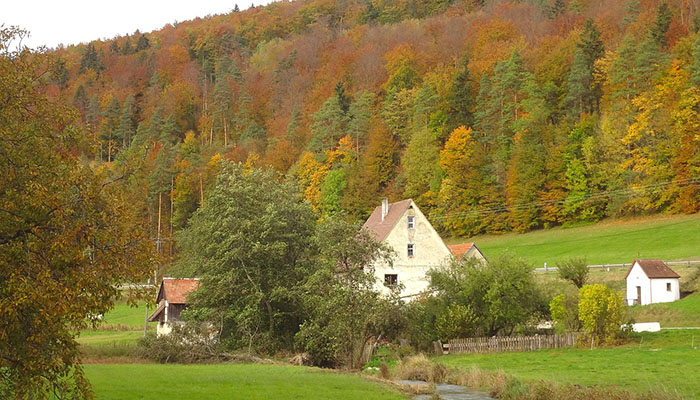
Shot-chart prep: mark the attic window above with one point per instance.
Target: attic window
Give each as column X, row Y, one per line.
column 410, row 249
column 411, row 222
column 668, row 286
column 391, row 279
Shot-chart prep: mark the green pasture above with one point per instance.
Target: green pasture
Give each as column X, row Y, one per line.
column 675, row 237
column 229, row 381
column 666, row 360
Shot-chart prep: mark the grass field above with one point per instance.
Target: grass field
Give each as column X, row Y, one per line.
column 613, row 241
column 651, row 361
column 229, row 381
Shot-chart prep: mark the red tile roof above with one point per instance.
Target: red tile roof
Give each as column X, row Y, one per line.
column 380, row 228
column 654, row 269
column 459, row 250
column 176, row 290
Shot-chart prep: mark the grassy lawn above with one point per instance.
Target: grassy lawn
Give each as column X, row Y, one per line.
column 685, row 312
column 613, row 241
column 229, row 381
column 123, row 314
column 651, row 361
column 96, row 338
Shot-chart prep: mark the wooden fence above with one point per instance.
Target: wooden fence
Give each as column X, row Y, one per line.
column 503, row 343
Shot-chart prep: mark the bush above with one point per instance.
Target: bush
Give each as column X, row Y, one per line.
column 186, row 344
column 564, row 310
column 601, row 311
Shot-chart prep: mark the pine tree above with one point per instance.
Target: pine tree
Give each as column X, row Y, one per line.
column 222, row 99
column 126, row 47
column 695, row 68
column 143, row 43
column 578, row 85
column 94, row 114
column 329, row 125
column 108, row 130
column 657, row 33
column 343, row 99
column 126, row 127
column 459, row 98
column 80, row 100
column 360, row 115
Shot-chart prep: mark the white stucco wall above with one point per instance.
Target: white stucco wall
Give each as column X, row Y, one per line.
column 660, row 293
column 653, row 290
column 429, row 252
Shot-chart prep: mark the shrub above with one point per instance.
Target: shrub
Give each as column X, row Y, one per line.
column 564, row 310
column 187, row 344
column 601, row 311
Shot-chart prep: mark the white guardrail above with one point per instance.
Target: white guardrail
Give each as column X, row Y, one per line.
column 624, row 265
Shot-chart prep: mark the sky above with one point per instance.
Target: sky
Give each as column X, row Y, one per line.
column 53, row 22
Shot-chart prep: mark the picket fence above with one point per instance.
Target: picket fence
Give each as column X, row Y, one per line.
column 503, row 343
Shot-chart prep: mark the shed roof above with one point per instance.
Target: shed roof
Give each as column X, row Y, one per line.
column 381, row 229
column 459, row 250
column 654, row 269
column 175, row 291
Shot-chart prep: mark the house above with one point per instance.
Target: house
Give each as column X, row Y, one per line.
column 466, row 250
column 171, row 300
column 651, row 281
column 418, row 246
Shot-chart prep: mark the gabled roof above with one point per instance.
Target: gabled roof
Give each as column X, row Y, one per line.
column 381, row 229
column 459, row 250
column 654, row 269
column 175, row 291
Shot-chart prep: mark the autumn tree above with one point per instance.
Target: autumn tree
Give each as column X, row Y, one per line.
column 68, row 236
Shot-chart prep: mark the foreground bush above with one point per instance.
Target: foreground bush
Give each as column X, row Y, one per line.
column 186, row 344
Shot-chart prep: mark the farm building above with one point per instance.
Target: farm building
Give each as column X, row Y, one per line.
column 466, row 250
column 651, row 281
column 171, row 300
column 418, row 246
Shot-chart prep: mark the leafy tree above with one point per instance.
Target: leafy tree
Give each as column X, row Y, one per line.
column 344, row 309
column 332, row 191
column 601, row 311
column 574, row 270
column 249, row 243
column 68, row 235
column 695, row 67
column 495, row 297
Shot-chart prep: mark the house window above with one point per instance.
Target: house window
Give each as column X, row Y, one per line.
column 411, row 222
column 410, row 249
column 668, row 286
column 391, row 279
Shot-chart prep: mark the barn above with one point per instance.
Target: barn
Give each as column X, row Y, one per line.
column 651, row 281
column 171, row 300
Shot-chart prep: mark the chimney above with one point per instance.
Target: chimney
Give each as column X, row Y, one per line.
column 385, row 207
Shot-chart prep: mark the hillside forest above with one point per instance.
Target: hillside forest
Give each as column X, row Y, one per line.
column 493, row 115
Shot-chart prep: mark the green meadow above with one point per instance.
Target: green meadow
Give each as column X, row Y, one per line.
column 670, row 237
column 229, row 381
column 668, row 361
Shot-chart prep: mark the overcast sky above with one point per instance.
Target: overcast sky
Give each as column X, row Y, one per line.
column 51, row 22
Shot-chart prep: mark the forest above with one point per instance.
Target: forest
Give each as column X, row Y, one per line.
column 493, row 115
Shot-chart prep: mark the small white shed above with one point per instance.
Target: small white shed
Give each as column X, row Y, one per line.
column 651, row 281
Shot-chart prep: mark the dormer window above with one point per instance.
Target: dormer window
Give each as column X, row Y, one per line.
column 411, row 222
column 411, row 248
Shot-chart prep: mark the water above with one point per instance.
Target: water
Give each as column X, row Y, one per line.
column 448, row 392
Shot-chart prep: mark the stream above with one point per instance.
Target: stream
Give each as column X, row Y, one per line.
column 447, row 391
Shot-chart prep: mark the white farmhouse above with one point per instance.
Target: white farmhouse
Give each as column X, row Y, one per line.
column 419, row 247
column 651, row 281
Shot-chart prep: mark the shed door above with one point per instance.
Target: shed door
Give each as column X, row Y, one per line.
column 639, row 295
